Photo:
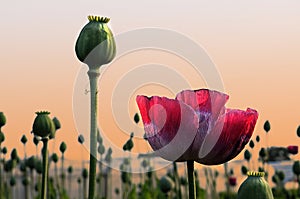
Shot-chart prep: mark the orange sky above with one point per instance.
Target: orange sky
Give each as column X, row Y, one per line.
column 255, row 46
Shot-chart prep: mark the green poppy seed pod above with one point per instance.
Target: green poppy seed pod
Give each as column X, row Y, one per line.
column 255, row 186
column 14, row 154
column 262, row 153
column 244, row 170
column 70, row 169
column 247, row 155
column 108, row 157
column 298, row 131
column 96, row 45
column 165, row 184
column 136, row 118
column 35, row 140
column 84, row 173
column 25, row 181
column 38, row 166
column 63, row 147
column 9, row 165
column 54, row 157
column 257, row 138
column 22, row 167
column 12, row 181
column 81, row 139
column 267, row 126
column 4, row 150
column 2, row 137
column 78, row 180
column 56, row 123
column 101, row 149
column 2, row 119
column 99, row 138
column 24, row 139
column 251, row 144
column 30, row 162
column 296, row 167
column 43, row 126
column 117, row 191
column 125, row 177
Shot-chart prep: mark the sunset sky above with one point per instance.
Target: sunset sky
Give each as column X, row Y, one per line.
column 254, row 46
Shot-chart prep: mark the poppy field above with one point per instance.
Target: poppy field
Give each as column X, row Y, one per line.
column 187, row 140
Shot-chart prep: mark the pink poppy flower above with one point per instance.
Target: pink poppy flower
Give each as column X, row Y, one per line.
column 293, row 150
column 232, row 181
column 196, row 126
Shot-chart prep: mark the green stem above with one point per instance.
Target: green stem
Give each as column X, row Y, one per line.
column 45, row 168
column 177, row 183
column 93, row 77
column 191, row 179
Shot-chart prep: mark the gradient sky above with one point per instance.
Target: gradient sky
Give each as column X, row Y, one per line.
column 254, row 44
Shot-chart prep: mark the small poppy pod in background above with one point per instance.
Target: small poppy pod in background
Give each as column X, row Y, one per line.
column 2, row 119
column 255, row 186
column 63, row 147
column 95, row 45
column 43, row 125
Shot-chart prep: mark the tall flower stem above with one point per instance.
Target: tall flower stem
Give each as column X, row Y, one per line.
column 93, row 77
column 191, row 179
column 177, row 183
column 45, row 168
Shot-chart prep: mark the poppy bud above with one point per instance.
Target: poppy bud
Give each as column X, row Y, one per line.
column 54, row 157
column 251, row 144
column 12, row 181
column 136, row 118
column 78, row 180
column 165, row 184
column 56, row 123
column 296, row 167
column 247, row 155
column 99, row 138
column 108, row 157
column 24, row 139
column 298, row 131
column 101, row 149
column 30, row 162
column 70, row 169
column 257, row 138
column 255, row 186
column 35, row 140
column 63, row 147
column 95, row 45
column 38, row 166
column 244, row 170
column 84, row 173
column 43, row 126
column 25, row 181
column 81, row 139
column 2, row 119
column 4, row 150
column 267, row 126
column 262, row 153
column 2, row 137
column 14, row 154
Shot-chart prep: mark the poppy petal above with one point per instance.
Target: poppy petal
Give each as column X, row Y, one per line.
column 204, row 100
column 233, row 131
column 170, row 125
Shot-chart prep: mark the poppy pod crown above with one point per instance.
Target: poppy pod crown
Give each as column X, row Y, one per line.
column 196, row 126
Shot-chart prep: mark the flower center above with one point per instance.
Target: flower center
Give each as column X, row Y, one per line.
column 98, row 19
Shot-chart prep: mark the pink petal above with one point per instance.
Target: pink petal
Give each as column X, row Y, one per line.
column 233, row 131
column 204, row 100
column 170, row 125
